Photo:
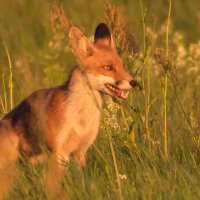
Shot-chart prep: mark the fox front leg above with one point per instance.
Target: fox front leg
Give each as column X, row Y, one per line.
column 79, row 158
column 56, row 171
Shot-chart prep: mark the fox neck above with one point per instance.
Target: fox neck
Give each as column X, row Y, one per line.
column 80, row 90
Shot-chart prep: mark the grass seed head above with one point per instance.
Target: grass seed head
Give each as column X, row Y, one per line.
column 125, row 40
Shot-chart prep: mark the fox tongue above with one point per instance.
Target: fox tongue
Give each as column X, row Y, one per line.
column 121, row 94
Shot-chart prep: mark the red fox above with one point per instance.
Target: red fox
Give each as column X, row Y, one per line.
column 66, row 118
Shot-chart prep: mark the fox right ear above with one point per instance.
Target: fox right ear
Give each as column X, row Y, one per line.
column 103, row 36
column 80, row 45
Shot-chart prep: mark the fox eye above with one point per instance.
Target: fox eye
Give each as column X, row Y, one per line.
column 107, row 67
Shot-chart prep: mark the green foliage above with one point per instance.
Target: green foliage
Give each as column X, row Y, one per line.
column 124, row 159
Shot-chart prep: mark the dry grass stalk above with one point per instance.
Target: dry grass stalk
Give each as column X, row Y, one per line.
column 124, row 38
column 60, row 23
column 163, row 60
column 167, row 63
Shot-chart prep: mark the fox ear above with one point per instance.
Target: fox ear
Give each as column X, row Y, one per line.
column 103, row 36
column 80, row 45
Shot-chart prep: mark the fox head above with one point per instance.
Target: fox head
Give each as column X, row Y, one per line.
column 100, row 62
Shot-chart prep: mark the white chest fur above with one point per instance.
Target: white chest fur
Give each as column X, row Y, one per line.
column 82, row 116
column 84, row 112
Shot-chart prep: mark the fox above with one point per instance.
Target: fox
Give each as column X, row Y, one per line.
column 65, row 119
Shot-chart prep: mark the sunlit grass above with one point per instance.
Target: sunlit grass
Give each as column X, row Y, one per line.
column 130, row 158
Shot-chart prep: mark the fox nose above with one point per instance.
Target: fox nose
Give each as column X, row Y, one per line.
column 133, row 83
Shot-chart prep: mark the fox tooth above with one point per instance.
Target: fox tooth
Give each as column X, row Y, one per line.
column 124, row 95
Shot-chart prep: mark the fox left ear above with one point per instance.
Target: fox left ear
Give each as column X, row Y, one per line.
column 103, row 36
column 80, row 45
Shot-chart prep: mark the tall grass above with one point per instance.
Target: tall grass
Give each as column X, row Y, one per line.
column 5, row 103
column 166, row 83
column 159, row 121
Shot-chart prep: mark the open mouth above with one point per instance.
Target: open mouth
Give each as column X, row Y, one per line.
column 117, row 92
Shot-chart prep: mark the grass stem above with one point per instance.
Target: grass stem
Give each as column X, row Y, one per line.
column 166, row 84
column 115, row 165
column 10, row 74
column 143, row 14
column 5, row 93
